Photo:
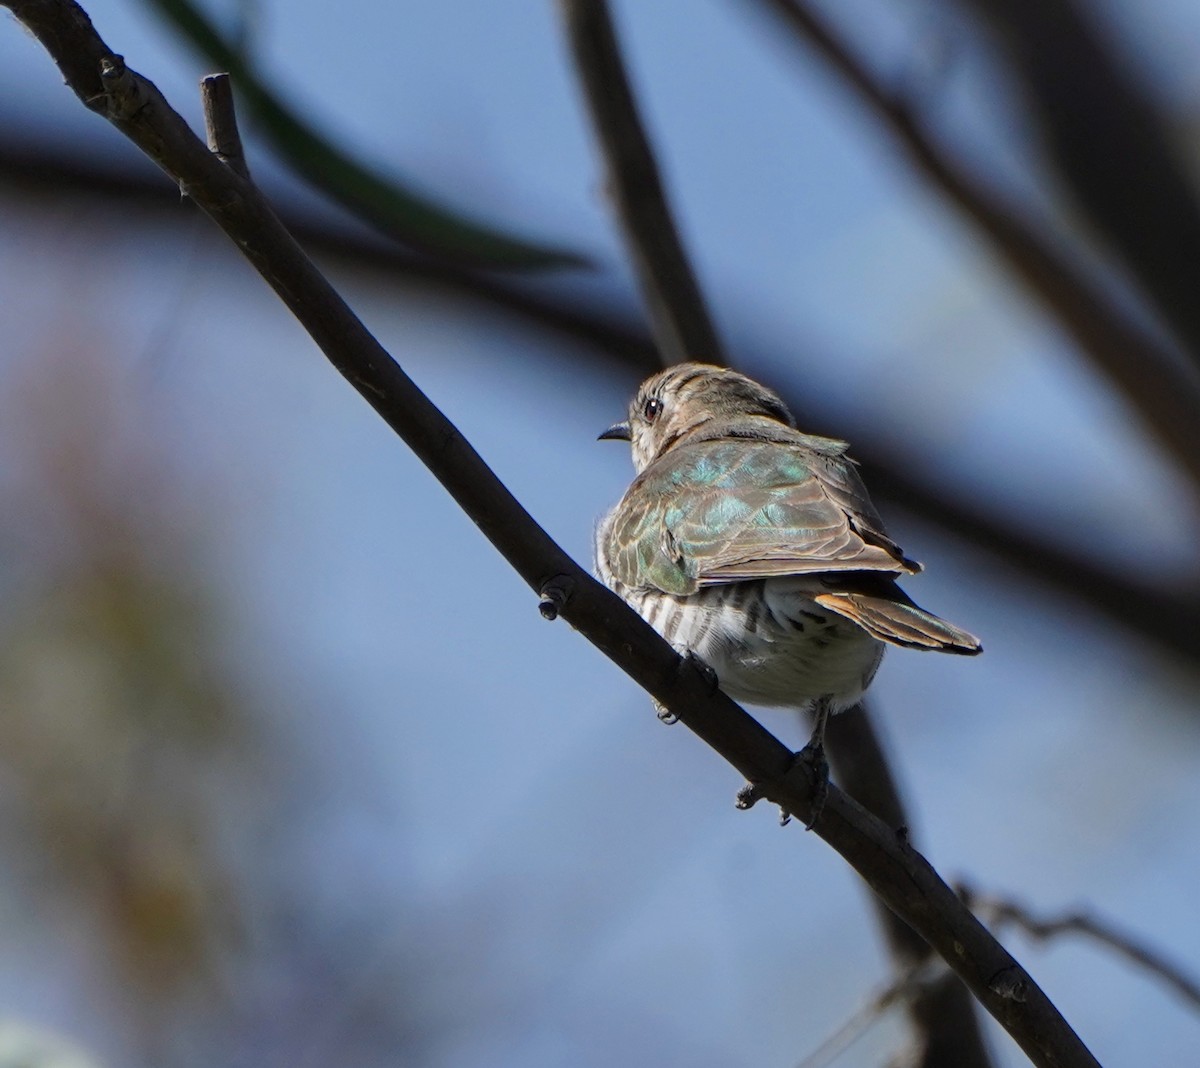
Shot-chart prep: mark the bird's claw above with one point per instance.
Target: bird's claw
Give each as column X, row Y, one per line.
column 749, row 796
column 813, row 757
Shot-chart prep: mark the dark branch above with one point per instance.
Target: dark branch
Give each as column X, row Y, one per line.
column 680, row 320
column 1112, row 146
column 1173, row 617
column 895, row 871
column 383, row 201
column 1163, row 390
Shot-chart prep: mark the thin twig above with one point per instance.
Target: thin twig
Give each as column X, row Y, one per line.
column 905, row 987
column 220, row 122
column 895, row 871
column 1162, row 388
column 680, row 320
column 999, row 911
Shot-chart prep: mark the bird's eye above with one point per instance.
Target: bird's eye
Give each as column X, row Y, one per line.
column 652, row 409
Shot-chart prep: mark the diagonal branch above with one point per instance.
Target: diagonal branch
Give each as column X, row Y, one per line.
column 900, row 875
column 679, row 317
column 1163, row 389
column 1111, row 144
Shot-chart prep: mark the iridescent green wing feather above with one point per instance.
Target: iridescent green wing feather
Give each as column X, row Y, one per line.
column 731, row 510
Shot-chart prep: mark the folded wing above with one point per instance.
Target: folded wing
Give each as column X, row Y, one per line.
column 734, row 510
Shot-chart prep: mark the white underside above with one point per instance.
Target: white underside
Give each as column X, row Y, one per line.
column 768, row 642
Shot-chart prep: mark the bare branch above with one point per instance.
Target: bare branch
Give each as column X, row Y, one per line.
column 1161, row 387
column 220, row 122
column 893, row 869
column 680, row 320
column 998, row 911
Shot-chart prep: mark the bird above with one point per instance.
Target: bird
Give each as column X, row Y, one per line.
column 754, row 548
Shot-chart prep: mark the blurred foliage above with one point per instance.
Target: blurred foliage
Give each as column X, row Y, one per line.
column 125, row 736
column 147, row 803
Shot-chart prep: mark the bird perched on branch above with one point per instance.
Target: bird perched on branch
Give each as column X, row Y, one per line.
column 754, row 548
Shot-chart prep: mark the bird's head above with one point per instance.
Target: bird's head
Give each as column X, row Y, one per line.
column 676, row 403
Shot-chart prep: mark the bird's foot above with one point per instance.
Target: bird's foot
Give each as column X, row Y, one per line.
column 812, row 758
column 664, row 714
column 813, row 755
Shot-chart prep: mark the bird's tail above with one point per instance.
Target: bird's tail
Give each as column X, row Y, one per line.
column 896, row 619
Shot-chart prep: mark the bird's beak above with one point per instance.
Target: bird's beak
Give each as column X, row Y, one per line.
column 617, row 432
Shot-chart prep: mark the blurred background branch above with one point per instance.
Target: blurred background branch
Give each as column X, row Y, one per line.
column 902, row 988
column 1106, row 139
column 1000, row 912
column 614, row 338
column 1147, row 372
column 679, row 318
column 390, row 205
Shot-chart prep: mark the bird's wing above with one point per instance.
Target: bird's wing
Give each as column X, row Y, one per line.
column 728, row 511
